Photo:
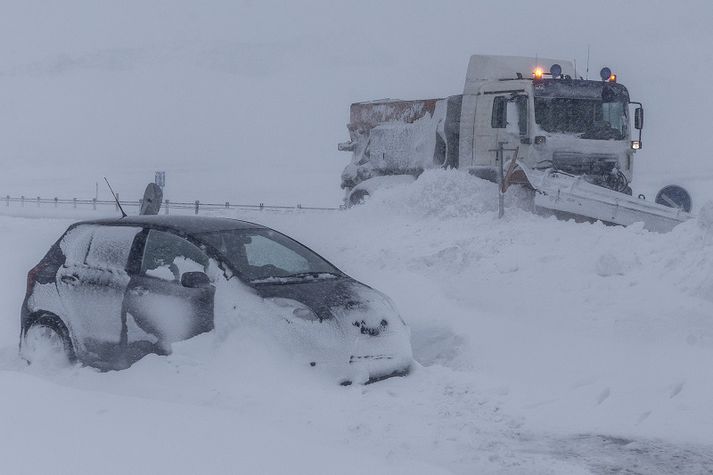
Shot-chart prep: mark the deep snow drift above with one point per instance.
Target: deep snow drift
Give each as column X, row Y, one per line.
column 546, row 347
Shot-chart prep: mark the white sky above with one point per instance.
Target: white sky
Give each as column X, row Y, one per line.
column 245, row 101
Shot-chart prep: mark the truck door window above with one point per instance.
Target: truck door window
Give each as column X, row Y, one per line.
column 499, row 118
column 522, row 114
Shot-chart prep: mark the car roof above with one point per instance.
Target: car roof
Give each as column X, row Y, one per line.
column 185, row 224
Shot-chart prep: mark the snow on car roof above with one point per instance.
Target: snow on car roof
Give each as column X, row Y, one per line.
column 186, row 224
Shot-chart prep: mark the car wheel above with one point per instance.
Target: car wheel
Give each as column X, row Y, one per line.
column 357, row 197
column 46, row 342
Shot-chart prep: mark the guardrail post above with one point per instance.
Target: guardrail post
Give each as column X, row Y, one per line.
column 165, row 206
column 7, row 200
column 22, row 201
column 74, row 202
column 38, row 201
column 198, row 203
column 227, row 205
column 55, row 201
column 94, row 203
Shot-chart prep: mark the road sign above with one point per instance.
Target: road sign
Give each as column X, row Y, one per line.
column 674, row 196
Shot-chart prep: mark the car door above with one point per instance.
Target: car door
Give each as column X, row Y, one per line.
column 92, row 284
column 164, row 302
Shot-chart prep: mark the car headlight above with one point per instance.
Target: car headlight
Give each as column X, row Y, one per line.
column 390, row 303
column 293, row 308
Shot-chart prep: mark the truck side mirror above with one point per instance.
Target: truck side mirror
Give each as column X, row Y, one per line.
column 639, row 118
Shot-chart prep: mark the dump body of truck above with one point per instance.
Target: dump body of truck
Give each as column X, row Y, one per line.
column 394, row 137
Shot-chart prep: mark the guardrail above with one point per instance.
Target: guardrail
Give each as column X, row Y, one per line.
column 166, row 207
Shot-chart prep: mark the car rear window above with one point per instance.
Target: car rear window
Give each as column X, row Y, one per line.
column 111, row 245
column 75, row 243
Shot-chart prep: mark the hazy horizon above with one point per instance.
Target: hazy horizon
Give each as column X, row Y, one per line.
column 247, row 100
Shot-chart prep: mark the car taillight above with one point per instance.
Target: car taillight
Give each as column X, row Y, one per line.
column 32, row 275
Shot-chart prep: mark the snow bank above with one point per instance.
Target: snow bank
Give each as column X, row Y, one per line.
column 445, row 194
column 540, row 341
column 555, row 316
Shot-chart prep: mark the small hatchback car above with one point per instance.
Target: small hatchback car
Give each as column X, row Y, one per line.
column 111, row 291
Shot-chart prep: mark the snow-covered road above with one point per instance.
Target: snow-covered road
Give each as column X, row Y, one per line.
column 546, row 347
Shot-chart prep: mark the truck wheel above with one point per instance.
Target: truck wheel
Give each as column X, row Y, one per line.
column 46, row 342
column 357, row 197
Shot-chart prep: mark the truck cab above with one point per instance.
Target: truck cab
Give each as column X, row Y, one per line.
column 553, row 120
column 545, row 120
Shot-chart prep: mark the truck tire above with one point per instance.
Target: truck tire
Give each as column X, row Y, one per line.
column 357, row 197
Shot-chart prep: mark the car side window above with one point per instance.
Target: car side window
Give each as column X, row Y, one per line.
column 168, row 256
column 110, row 246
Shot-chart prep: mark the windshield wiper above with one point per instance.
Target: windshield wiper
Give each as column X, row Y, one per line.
column 298, row 277
column 301, row 275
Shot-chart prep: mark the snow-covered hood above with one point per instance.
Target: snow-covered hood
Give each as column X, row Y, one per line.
column 336, row 298
column 349, row 325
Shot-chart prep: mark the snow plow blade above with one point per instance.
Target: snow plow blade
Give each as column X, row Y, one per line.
column 569, row 194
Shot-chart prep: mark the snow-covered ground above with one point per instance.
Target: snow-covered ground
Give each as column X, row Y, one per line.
column 544, row 347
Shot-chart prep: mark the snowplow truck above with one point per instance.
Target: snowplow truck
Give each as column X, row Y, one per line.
column 519, row 120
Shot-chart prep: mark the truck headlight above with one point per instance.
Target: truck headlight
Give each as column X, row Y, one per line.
column 636, row 144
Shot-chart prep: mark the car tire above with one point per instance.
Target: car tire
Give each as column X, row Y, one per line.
column 46, row 342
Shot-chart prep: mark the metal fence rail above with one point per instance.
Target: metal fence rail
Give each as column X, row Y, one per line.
column 166, row 207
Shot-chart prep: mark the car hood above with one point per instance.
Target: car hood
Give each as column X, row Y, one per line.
column 320, row 294
column 371, row 338
column 342, row 298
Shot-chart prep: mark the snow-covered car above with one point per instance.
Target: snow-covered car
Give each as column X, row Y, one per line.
column 111, row 291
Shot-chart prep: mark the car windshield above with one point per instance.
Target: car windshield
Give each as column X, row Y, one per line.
column 590, row 110
column 266, row 256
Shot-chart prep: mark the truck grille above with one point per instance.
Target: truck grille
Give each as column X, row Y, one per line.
column 584, row 163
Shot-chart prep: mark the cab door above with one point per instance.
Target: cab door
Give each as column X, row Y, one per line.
column 169, row 297
column 501, row 117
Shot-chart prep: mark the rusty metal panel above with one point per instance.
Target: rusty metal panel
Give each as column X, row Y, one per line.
column 367, row 115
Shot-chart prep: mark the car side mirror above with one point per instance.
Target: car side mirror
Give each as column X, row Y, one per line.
column 639, row 118
column 195, row 280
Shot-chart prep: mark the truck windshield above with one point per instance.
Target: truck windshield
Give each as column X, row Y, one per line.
column 588, row 109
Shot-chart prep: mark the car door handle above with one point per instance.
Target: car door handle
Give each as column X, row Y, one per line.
column 69, row 279
column 139, row 291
